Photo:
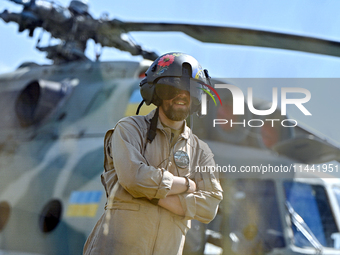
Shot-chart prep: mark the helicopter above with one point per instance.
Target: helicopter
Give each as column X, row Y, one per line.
column 54, row 118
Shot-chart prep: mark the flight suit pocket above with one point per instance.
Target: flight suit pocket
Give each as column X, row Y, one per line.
column 123, row 206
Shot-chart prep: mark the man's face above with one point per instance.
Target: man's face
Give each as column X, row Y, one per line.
column 177, row 108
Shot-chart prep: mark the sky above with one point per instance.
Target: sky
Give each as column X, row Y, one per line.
column 301, row 17
column 312, row 18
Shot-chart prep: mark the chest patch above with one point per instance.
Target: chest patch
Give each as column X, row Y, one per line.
column 181, row 159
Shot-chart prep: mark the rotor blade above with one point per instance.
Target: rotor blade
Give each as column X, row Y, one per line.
column 241, row 36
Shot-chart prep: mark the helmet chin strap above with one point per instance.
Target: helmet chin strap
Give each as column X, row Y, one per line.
column 139, row 106
column 153, row 126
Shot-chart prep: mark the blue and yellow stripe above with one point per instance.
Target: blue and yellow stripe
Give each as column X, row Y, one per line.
column 134, row 101
column 84, row 203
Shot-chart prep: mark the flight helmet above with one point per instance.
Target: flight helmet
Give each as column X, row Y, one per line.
column 170, row 73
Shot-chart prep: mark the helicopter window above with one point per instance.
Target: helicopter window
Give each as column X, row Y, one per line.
column 272, row 135
column 312, row 204
column 99, row 99
column 272, row 132
column 50, row 216
column 336, row 191
column 255, row 217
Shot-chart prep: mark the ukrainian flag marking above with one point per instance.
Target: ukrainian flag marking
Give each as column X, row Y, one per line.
column 83, row 203
column 134, row 101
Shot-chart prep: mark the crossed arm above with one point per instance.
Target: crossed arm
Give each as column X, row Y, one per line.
column 138, row 178
column 172, row 202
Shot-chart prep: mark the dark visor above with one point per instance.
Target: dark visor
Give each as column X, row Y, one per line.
column 168, row 88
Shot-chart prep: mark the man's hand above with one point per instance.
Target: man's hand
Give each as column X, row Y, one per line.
column 173, row 204
column 179, row 185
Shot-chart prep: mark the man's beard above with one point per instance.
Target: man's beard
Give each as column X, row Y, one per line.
column 175, row 115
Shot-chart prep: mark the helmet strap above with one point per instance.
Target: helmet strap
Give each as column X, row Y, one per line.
column 139, row 106
column 153, row 126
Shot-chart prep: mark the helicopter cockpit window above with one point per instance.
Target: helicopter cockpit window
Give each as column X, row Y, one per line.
column 255, row 217
column 336, row 191
column 312, row 204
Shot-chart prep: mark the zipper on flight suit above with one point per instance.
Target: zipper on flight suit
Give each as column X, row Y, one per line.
column 159, row 209
column 158, row 223
column 169, row 146
column 169, row 154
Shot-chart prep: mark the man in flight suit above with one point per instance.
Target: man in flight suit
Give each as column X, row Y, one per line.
column 150, row 180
